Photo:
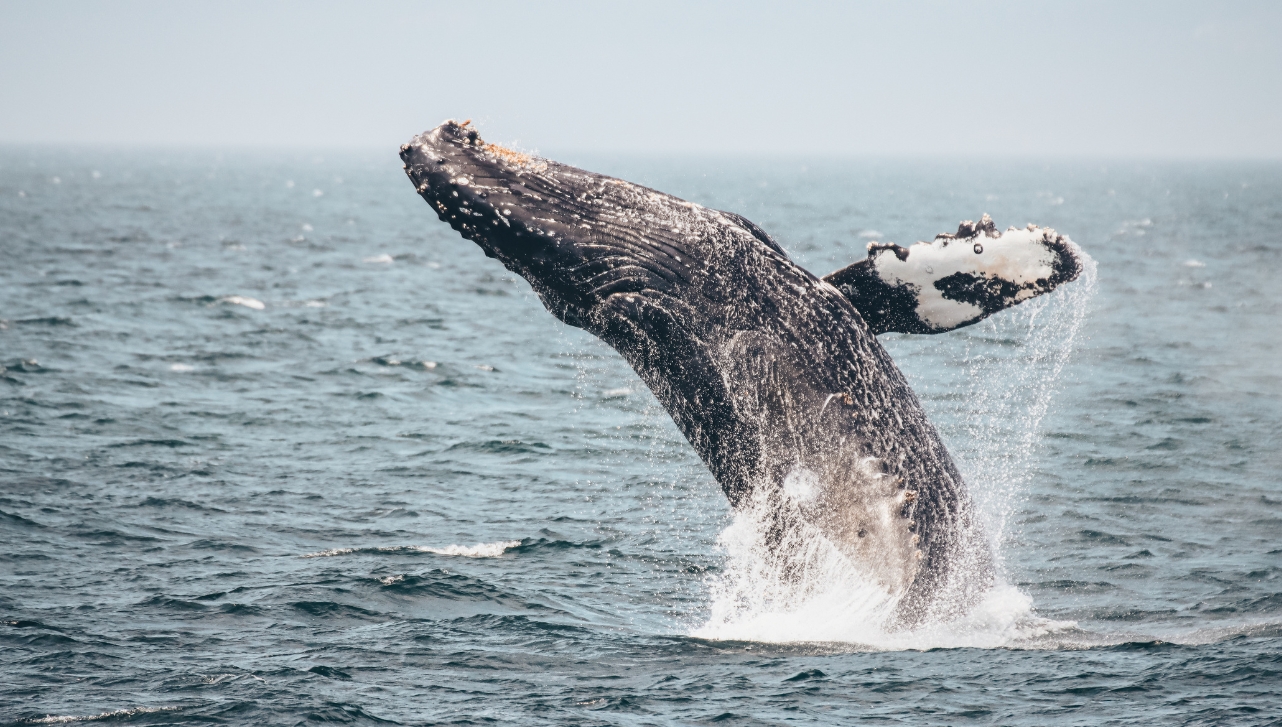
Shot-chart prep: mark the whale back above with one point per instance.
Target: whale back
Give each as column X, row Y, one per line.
column 772, row 375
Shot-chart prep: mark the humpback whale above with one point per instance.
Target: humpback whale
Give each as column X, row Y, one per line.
column 774, row 375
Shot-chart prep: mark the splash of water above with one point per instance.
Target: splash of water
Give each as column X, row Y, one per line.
column 1011, row 366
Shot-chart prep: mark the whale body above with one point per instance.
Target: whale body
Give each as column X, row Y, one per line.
column 774, row 375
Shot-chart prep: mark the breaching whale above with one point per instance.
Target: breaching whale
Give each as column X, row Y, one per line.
column 775, row 376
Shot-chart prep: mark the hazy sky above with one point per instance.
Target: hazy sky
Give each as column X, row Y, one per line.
column 1069, row 78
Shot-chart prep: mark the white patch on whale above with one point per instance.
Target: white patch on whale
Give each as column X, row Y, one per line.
column 1019, row 256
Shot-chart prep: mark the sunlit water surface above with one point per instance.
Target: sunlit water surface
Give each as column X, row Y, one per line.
column 278, row 447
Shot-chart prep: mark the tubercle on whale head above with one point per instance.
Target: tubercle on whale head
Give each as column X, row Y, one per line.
column 464, row 180
column 475, row 187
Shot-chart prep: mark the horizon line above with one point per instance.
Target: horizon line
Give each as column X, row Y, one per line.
column 655, row 153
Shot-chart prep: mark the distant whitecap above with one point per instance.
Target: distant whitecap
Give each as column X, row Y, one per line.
column 105, row 716
column 330, row 553
column 182, row 367
column 384, row 259
column 480, row 550
column 244, row 300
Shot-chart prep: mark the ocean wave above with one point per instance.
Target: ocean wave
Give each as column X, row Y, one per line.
column 112, row 715
column 332, row 609
column 19, row 521
column 243, row 300
column 480, row 550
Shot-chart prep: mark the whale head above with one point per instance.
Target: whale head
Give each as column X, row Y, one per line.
column 495, row 197
column 470, row 183
column 592, row 247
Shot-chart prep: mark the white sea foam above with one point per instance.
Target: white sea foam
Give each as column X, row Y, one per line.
column 818, row 595
column 182, row 367
column 823, row 597
column 112, row 715
column 383, row 259
column 332, row 552
column 246, row 301
column 480, row 550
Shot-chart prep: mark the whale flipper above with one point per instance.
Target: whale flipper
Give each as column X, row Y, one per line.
column 772, row 375
column 957, row 279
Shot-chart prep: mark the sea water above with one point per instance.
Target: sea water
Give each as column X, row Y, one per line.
column 278, row 447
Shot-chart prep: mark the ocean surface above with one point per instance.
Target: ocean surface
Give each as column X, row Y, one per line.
column 278, row 447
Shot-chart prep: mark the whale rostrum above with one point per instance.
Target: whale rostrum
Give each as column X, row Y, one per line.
column 775, row 376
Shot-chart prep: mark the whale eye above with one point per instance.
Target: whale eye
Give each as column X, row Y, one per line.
column 978, row 248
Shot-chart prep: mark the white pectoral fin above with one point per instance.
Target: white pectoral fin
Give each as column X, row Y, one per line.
column 957, row 279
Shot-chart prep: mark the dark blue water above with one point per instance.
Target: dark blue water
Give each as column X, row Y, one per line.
column 278, row 447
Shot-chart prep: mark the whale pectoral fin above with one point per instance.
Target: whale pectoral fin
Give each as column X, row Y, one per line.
column 884, row 305
column 956, row 279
